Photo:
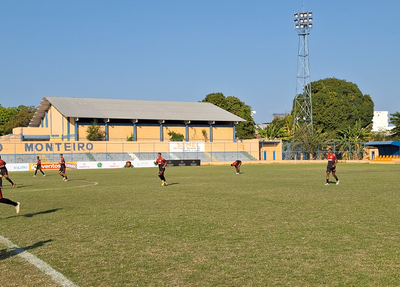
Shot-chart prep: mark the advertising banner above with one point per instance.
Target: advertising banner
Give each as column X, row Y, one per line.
column 52, row 165
column 17, row 166
column 187, row 147
column 183, row 162
column 144, row 163
column 88, row 165
column 113, row 164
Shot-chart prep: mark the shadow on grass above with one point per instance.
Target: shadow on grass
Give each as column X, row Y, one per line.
column 7, row 253
column 332, row 183
column 172, row 183
column 36, row 213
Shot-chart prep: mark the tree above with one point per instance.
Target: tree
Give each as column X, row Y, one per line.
column 380, row 135
column 395, row 120
column 355, row 136
column 94, row 132
column 15, row 117
column 338, row 104
column 272, row 131
column 6, row 116
column 244, row 130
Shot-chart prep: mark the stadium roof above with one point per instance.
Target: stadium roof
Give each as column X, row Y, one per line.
column 382, row 143
column 132, row 109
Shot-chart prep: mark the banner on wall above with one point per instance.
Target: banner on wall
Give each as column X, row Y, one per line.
column 100, row 164
column 183, row 162
column 187, row 147
column 52, row 165
column 113, row 164
column 17, row 166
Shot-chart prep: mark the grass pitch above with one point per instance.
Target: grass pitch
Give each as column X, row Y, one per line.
column 272, row 225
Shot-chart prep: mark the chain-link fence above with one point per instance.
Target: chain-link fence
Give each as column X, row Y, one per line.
column 304, row 151
column 26, row 152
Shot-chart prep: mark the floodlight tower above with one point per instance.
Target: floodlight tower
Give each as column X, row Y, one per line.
column 303, row 122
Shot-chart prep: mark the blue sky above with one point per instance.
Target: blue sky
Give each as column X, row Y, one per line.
column 182, row 50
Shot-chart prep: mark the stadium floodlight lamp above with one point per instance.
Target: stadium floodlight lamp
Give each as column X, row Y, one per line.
column 303, row 22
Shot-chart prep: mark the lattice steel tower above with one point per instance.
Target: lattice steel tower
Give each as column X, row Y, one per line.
column 303, row 121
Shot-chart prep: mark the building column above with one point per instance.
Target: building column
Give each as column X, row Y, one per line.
column 106, row 121
column 76, row 129
column 161, row 129
column 134, row 132
column 46, row 119
column 187, row 130
column 211, row 130
column 68, row 128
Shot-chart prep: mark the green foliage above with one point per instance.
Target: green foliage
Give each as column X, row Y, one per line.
column 244, row 130
column 338, row 104
column 354, row 135
column 94, row 132
column 272, row 131
column 13, row 117
column 130, row 138
column 7, row 113
column 395, row 120
column 205, row 135
column 217, row 99
column 381, row 135
column 177, row 137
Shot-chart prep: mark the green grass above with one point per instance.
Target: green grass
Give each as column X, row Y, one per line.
column 273, row 225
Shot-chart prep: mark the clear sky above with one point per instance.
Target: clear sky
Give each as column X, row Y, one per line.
column 182, row 50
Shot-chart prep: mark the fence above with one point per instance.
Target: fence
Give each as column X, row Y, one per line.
column 303, row 151
column 26, row 152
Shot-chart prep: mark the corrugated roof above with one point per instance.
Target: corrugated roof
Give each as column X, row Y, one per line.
column 382, row 143
column 133, row 109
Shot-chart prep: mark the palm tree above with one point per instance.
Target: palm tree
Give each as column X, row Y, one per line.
column 272, row 131
column 355, row 136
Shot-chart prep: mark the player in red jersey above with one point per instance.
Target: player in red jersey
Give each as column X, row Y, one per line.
column 6, row 200
column 62, row 169
column 128, row 164
column 162, row 163
column 4, row 172
column 332, row 162
column 39, row 166
column 237, row 164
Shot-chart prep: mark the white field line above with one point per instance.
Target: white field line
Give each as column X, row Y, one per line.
column 41, row 265
column 64, row 187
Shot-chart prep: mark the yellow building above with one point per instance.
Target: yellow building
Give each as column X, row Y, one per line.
column 67, row 119
column 60, row 126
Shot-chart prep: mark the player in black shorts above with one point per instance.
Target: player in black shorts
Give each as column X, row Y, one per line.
column 6, row 200
column 63, row 167
column 162, row 163
column 4, row 172
column 237, row 164
column 331, row 167
column 38, row 166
